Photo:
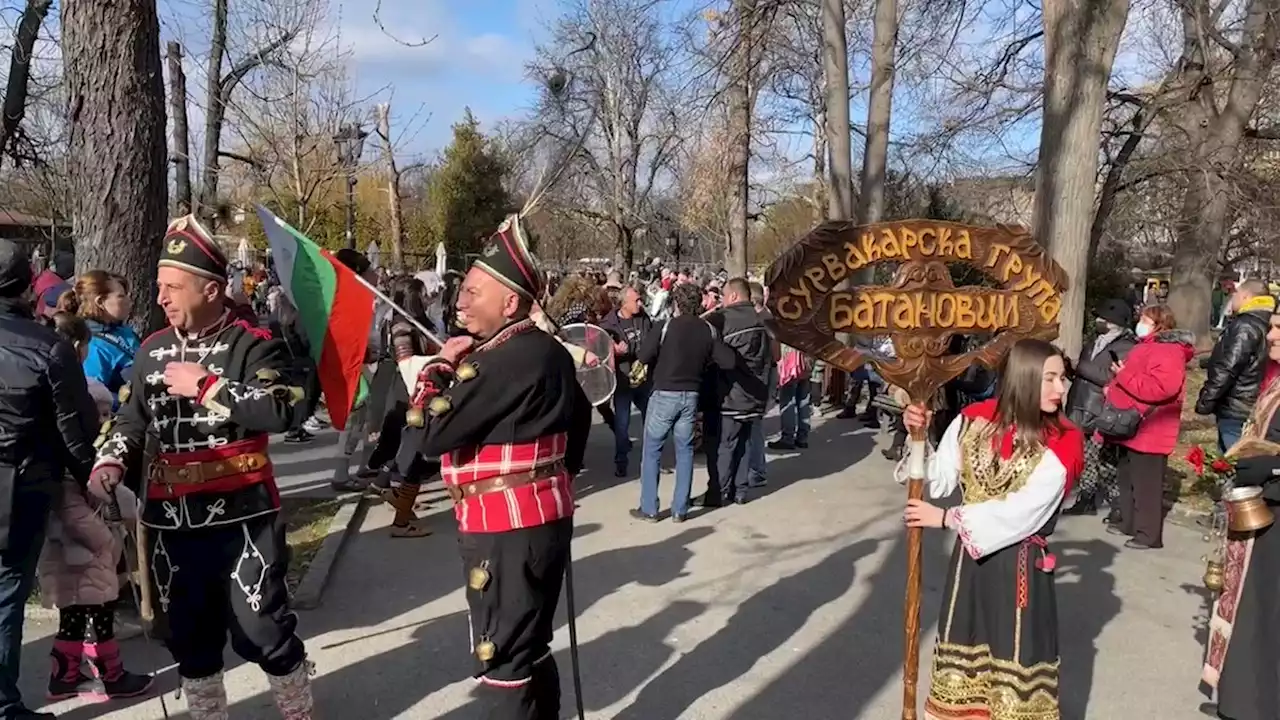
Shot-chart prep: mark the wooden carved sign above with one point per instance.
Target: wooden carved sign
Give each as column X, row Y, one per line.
column 920, row 312
column 922, row 309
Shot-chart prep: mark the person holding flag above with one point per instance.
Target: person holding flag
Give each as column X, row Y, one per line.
column 212, row 389
column 503, row 411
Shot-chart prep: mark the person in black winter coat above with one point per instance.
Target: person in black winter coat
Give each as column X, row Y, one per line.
column 1238, row 363
column 1112, row 344
column 1093, row 371
column 49, row 423
column 742, row 392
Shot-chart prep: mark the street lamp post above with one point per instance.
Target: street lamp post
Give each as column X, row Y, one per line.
column 673, row 244
column 350, row 142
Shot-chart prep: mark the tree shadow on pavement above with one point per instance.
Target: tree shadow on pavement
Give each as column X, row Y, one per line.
column 1087, row 601
column 839, row 677
column 760, row 625
column 833, row 448
column 389, row 682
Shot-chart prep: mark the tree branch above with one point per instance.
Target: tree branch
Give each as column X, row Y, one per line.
column 256, row 165
column 251, row 61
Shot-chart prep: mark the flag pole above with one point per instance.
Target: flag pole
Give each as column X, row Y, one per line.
column 403, row 313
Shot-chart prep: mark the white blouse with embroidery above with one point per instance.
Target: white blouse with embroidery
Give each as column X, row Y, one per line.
column 992, row 525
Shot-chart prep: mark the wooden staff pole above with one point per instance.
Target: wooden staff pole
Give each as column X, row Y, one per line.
column 915, row 561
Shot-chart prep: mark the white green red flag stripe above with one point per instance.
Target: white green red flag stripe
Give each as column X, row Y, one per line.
column 335, row 312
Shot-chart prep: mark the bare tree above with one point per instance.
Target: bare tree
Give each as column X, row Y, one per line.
column 835, row 54
column 16, row 87
column 619, row 104
column 1221, row 75
column 281, row 127
column 221, row 82
column 181, row 150
column 738, row 101
column 1080, row 40
column 875, row 156
column 396, row 236
column 115, row 94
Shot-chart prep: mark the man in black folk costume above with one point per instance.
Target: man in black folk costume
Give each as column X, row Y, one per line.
column 211, row 389
column 1015, row 459
column 1243, row 653
column 505, row 415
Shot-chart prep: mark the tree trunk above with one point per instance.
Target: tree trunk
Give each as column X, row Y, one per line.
column 1115, row 173
column 1080, row 38
column 875, row 158
column 739, row 99
column 215, row 112
column 116, row 154
column 835, row 70
column 181, row 140
column 1214, row 137
column 1195, row 257
column 15, row 91
column 393, row 186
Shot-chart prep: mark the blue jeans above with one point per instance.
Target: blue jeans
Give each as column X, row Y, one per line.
column 1229, row 430
column 668, row 410
column 795, row 399
column 17, row 574
column 623, row 398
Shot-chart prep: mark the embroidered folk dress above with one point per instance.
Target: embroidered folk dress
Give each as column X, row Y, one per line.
column 997, row 651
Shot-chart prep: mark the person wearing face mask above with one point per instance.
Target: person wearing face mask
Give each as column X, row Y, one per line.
column 1238, row 363
column 1112, row 343
column 1152, row 380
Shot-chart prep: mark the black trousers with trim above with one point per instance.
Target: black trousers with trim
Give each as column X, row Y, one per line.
column 514, row 614
column 227, row 580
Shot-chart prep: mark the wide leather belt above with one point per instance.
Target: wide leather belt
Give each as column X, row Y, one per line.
column 202, row 472
column 504, row 482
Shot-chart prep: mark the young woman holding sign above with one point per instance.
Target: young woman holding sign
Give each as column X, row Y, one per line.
column 1014, row 457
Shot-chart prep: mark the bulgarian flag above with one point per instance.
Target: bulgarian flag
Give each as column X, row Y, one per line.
column 335, row 312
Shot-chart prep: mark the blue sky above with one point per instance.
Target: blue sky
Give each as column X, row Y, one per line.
column 477, row 59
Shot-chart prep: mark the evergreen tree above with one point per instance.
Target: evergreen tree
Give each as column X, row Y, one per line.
column 466, row 200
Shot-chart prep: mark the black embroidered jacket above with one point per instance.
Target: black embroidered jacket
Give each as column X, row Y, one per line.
column 248, row 396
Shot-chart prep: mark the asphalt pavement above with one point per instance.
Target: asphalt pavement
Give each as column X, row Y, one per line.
column 789, row 607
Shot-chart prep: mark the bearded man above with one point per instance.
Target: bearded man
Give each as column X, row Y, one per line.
column 502, row 409
column 212, row 389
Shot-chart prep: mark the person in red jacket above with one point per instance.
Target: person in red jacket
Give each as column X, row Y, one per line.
column 1152, row 380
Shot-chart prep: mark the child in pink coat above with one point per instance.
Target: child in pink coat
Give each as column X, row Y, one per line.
column 77, row 574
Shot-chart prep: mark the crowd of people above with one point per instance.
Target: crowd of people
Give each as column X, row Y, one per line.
column 695, row 356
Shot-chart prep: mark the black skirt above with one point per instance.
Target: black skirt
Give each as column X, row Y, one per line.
column 997, row 653
column 1247, row 688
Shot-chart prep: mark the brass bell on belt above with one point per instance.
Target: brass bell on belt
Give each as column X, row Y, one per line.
column 478, row 578
column 1246, row 510
column 439, row 405
column 466, row 371
column 1214, row 577
column 485, row 651
column 414, row 418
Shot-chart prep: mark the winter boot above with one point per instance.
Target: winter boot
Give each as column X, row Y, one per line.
column 405, row 524
column 109, row 668
column 65, row 679
column 293, row 692
column 206, row 697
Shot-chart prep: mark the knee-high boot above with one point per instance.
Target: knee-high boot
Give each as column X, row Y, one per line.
column 402, row 498
column 292, row 692
column 206, row 697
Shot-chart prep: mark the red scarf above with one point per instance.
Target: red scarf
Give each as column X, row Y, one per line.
column 1067, row 443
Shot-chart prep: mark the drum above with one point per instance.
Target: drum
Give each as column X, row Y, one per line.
column 598, row 374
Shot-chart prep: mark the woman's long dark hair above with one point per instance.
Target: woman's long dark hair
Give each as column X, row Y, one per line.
column 1018, row 395
column 408, row 293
